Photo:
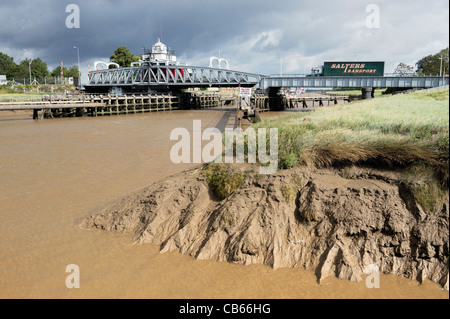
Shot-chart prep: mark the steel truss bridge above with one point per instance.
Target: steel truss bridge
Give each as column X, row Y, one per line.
column 171, row 77
column 354, row 81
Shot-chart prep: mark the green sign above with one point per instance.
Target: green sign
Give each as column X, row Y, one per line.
column 353, row 69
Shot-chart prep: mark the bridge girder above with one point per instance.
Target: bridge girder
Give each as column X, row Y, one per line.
column 354, row 82
column 158, row 76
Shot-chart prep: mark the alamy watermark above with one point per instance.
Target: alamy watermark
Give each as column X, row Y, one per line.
column 73, row 19
column 254, row 141
column 373, row 280
column 73, row 280
column 373, row 19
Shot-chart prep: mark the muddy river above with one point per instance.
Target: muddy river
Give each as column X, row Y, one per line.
column 55, row 172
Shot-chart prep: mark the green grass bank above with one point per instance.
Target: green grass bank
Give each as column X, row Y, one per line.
column 391, row 131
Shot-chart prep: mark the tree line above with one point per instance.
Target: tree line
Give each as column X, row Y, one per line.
column 433, row 64
column 39, row 69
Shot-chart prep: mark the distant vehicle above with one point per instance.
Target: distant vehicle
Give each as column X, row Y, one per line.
column 318, row 71
column 349, row 69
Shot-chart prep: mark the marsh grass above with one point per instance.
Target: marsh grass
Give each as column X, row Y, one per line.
column 388, row 131
column 222, row 180
column 308, row 215
column 425, row 185
column 430, row 195
column 291, row 189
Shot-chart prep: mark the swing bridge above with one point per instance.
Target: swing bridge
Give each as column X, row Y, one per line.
column 138, row 79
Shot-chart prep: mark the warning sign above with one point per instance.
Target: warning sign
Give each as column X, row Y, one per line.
column 245, row 92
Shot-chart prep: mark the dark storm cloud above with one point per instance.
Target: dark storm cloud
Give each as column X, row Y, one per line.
column 254, row 35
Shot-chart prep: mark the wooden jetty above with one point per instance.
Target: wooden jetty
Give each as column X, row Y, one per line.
column 99, row 105
column 104, row 105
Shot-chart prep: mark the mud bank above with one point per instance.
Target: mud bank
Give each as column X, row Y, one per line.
column 295, row 218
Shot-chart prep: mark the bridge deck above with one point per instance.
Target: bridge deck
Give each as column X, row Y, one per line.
column 354, row 82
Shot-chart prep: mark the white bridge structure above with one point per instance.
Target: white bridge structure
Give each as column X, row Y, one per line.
column 170, row 76
column 106, row 65
column 219, row 62
column 159, row 69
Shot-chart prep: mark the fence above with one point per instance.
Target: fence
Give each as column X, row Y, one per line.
column 44, row 81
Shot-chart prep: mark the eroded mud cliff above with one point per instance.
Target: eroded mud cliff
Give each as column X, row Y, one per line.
column 295, row 218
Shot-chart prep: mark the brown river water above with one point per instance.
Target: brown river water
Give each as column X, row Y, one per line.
column 55, row 172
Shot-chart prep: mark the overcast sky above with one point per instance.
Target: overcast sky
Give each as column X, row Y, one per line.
column 257, row 36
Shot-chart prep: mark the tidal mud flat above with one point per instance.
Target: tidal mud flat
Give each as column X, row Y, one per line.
column 314, row 219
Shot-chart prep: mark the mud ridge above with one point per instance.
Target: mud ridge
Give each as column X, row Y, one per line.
column 295, row 218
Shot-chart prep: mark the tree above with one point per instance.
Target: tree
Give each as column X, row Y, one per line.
column 23, row 71
column 39, row 69
column 403, row 69
column 72, row 72
column 57, row 71
column 7, row 65
column 431, row 64
column 123, row 57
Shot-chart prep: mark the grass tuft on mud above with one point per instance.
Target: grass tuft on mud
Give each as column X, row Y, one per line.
column 222, row 180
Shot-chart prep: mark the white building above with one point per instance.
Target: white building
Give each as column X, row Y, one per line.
column 160, row 54
column 3, row 80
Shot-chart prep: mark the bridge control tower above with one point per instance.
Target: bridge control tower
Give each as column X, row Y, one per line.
column 160, row 54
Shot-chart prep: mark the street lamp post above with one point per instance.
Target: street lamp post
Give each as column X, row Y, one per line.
column 281, row 66
column 79, row 71
column 29, row 68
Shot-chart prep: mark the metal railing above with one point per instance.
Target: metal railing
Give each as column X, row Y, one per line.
column 40, row 81
column 13, row 98
column 299, row 75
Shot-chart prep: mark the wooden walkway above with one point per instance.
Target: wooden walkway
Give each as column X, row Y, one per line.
column 103, row 105
column 99, row 105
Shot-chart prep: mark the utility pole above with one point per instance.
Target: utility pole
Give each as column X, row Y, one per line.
column 281, row 66
column 79, row 71
column 442, row 72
